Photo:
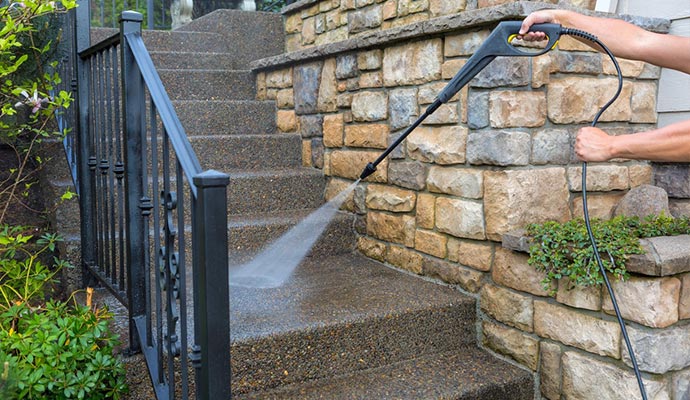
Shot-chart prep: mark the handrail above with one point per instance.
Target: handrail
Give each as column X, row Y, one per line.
column 100, row 46
column 171, row 123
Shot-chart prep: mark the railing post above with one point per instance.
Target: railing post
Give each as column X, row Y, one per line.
column 211, row 286
column 84, row 149
column 133, row 106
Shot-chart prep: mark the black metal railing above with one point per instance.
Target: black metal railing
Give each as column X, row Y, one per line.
column 148, row 212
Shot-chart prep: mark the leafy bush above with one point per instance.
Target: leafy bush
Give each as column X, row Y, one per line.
column 50, row 350
column 563, row 250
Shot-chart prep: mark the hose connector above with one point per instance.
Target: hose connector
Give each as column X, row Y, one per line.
column 368, row 170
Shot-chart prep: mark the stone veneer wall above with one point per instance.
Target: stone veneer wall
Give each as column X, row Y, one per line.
column 496, row 157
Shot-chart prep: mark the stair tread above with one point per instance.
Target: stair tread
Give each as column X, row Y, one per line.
column 334, row 290
column 466, row 374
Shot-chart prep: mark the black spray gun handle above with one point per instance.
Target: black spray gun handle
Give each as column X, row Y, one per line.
column 499, row 43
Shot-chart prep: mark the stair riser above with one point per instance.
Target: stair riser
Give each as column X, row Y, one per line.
column 264, row 194
column 208, row 85
column 226, row 118
column 172, row 40
column 225, row 153
column 180, row 60
column 276, row 361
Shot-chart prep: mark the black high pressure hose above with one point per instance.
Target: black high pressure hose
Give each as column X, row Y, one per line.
column 590, row 37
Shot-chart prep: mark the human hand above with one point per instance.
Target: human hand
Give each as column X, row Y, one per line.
column 537, row 17
column 593, row 144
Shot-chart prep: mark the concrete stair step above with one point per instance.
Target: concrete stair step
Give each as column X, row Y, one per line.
column 248, row 234
column 170, row 41
column 234, row 26
column 195, row 60
column 224, row 153
column 266, row 191
column 199, row 84
column 341, row 314
column 464, row 374
column 226, row 117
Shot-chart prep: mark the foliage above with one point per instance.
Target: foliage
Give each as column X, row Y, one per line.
column 271, row 5
column 563, row 250
column 27, row 89
column 108, row 14
column 49, row 350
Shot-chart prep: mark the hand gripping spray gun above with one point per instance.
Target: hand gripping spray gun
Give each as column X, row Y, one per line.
column 499, row 43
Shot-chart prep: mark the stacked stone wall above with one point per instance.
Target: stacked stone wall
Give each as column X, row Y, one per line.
column 497, row 156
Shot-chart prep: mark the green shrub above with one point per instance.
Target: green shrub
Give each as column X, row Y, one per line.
column 563, row 250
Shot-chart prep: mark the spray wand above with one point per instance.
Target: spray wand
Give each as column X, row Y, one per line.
column 499, row 43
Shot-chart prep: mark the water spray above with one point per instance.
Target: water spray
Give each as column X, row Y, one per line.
column 500, row 43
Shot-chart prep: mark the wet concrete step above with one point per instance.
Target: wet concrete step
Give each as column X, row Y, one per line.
column 225, row 153
column 204, row 84
column 226, row 117
column 338, row 315
column 463, row 374
column 265, row 191
column 267, row 36
column 248, row 234
column 195, row 60
column 169, row 41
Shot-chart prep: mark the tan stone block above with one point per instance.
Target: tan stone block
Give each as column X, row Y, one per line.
column 506, row 306
column 587, row 377
column 334, row 187
column 390, row 9
column 490, row 3
column 445, row 114
column 600, row 178
column 344, row 100
column 293, row 42
column 389, row 198
column 396, row 228
column 512, row 343
column 261, row 86
column 406, row 7
column 460, row 218
column 351, row 163
column 644, row 102
column 476, row 255
column 451, row 67
column 308, row 31
column 333, row 130
column 511, row 269
column 336, row 35
column 306, row 153
column 427, row 93
column 446, row 7
column 287, row 121
column 577, row 100
column 572, row 295
column 426, row 210
column 441, row 145
column 640, row 174
column 599, row 205
column 370, row 80
column 515, row 198
column 464, row 182
column 370, row 135
column 659, row 351
column 327, row 5
column 569, row 43
column 649, row 301
column 404, row 258
column 512, row 109
column 573, row 328
column 372, row 248
column 412, row 63
column 369, row 60
column 454, row 274
column 542, row 67
column 550, row 370
column 684, row 299
column 271, row 94
column 432, row 243
column 629, row 68
column 285, row 98
column 347, row 4
column 293, row 23
column 408, row 20
column 326, row 101
column 310, row 11
column 279, row 79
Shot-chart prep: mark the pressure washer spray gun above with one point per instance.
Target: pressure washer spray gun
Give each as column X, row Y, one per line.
column 500, row 43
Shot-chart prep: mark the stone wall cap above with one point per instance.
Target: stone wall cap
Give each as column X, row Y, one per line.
column 664, row 255
column 432, row 27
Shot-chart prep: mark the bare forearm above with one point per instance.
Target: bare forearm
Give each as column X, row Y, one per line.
column 669, row 144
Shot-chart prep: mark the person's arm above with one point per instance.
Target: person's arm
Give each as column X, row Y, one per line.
column 668, row 144
column 622, row 38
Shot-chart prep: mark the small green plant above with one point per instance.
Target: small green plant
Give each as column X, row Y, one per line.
column 50, row 349
column 563, row 250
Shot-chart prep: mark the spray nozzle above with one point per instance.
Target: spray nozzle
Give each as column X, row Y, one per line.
column 499, row 43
